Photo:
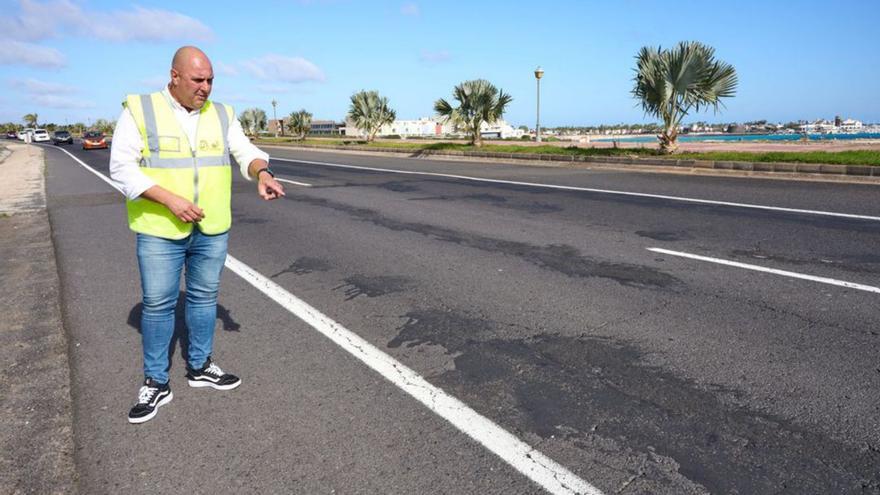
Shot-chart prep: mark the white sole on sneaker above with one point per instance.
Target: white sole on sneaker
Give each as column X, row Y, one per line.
column 200, row 384
column 165, row 400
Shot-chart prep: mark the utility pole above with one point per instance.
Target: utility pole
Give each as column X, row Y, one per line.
column 539, row 72
column 275, row 116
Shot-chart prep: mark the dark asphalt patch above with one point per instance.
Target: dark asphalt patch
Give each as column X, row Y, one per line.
column 80, row 200
column 585, row 388
column 397, row 186
column 363, row 285
column 499, row 201
column 305, row 265
column 239, row 218
column 559, row 258
column 665, row 236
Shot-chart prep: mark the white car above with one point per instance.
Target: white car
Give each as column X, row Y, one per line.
column 41, row 135
column 23, row 132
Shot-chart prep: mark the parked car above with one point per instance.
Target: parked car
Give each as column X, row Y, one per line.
column 62, row 137
column 22, row 133
column 41, row 135
column 11, row 135
column 93, row 140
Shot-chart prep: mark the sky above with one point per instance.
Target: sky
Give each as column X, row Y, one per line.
column 75, row 60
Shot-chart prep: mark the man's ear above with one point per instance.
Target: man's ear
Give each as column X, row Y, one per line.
column 175, row 77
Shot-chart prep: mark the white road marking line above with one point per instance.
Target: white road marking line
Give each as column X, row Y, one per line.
column 293, row 182
column 588, row 189
column 824, row 280
column 533, row 464
column 90, row 169
column 539, row 468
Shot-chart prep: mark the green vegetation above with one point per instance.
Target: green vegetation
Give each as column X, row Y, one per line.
column 253, row 120
column 854, row 157
column 300, row 123
column 479, row 101
column 858, row 157
column 370, row 112
column 671, row 83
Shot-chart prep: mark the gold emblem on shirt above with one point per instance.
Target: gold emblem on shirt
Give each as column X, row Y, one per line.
column 204, row 145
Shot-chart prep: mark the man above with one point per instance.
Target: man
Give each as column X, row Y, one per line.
column 170, row 155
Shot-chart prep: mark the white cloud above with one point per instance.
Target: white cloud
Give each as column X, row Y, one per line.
column 225, row 69
column 279, row 68
column 273, row 89
column 435, row 57
column 55, row 101
column 143, row 24
column 39, row 21
column 21, row 53
column 410, row 9
column 35, row 86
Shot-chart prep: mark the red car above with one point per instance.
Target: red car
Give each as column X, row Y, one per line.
column 94, row 140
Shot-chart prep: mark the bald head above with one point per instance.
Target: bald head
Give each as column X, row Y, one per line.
column 192, row 77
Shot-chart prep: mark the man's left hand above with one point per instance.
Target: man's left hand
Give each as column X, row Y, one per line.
column 269, row 188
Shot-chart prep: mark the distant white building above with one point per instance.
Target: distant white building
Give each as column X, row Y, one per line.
column 435, row 127
column 850, row 125
column 820, row 126
column 500, row 129
column 423, row 127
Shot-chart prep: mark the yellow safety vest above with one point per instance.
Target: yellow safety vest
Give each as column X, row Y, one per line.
column 167, row 157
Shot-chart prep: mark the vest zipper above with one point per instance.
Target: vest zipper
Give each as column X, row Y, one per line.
column 195, row 163
column 195, row 182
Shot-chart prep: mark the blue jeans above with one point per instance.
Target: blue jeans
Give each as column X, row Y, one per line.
column 160, row 262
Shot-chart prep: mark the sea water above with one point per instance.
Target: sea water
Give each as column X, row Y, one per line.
column 726, row 138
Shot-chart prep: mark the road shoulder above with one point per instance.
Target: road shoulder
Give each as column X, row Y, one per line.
column 36, row 437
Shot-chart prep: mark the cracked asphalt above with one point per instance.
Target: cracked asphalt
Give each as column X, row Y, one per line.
column 541, row 310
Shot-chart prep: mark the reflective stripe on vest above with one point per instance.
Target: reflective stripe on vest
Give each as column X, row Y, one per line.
column 167, row 157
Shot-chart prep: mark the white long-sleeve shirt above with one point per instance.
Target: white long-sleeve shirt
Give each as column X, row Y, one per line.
column 127, row 145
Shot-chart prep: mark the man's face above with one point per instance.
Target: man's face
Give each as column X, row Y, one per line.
column 192, row 83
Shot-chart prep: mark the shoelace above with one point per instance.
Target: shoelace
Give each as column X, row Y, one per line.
column 145, row 396
column 214, row 370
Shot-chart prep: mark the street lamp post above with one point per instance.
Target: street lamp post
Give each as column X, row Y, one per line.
column 539, row 72
column 275, row 116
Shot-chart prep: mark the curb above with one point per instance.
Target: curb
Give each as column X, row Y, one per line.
column 820, row 169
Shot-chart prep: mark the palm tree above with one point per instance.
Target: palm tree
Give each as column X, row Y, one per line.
column 253, row 120
column 30, row 119
column 300, row 123
column 104, row 126
column 244, row 118
column 671, row 83
column 370, row 112
column 479, row 101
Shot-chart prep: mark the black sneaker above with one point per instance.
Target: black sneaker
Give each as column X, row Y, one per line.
column 211, row 376
column 151, row 396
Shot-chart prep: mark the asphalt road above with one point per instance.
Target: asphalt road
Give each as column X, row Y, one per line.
column 541, row 309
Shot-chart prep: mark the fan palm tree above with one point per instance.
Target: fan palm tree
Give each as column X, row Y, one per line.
column 671, row 83
column 253, row 120
column 370, row 112
column 30, row 119
column 260, row 121
column 479, row 101
column 244, row 118
column 300, row 123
